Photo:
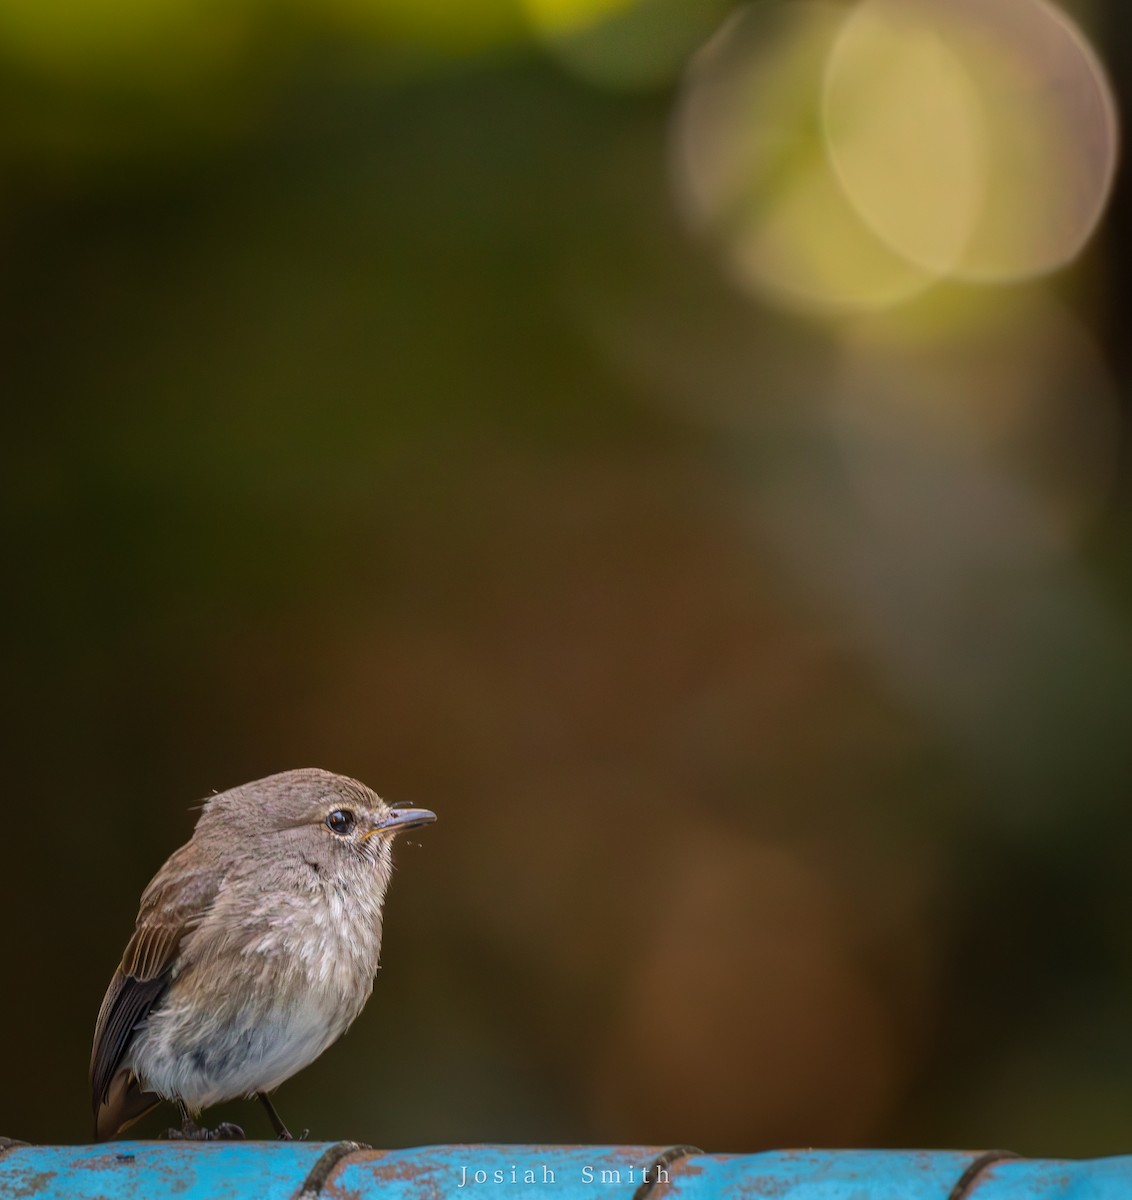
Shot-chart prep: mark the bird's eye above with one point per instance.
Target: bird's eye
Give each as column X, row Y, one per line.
column 340, row 821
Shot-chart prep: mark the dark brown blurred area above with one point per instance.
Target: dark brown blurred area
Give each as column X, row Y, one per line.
column 368, row 406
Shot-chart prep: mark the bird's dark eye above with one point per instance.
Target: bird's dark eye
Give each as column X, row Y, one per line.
column 341, row 821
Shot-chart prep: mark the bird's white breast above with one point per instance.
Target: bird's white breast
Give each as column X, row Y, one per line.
column 246, row 1012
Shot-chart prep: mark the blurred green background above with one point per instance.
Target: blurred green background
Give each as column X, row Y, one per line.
column 372, row 402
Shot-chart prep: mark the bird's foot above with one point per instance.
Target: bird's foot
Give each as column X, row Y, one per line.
column 187, row 1133
column 224, row 1132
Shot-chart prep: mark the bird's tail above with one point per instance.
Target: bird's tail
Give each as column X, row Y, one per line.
column 125, row 1102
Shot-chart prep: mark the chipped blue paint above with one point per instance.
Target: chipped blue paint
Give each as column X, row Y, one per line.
column 283, row 1171
column 153, row 1170
column 823, row 1175
column 497, row 1172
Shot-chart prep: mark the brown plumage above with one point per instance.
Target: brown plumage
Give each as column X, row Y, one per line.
column 173, row 904
column 255, row 947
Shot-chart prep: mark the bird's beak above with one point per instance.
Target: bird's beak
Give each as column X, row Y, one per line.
column 398, row 819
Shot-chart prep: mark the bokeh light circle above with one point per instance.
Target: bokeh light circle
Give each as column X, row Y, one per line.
column 844, row 158
column 975, row 135
column 903, row 129
column 753, row 174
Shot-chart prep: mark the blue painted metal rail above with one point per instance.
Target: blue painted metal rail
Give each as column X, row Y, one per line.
column 348, row 1171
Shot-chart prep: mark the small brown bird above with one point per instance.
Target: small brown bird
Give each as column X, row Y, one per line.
column 256, row 946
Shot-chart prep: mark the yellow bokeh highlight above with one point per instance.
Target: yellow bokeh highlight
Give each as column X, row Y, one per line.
column 904, row 134
column 846, row 157
column 990, row 121
column 1049, row 121
column 842, row 268
column 754, row 175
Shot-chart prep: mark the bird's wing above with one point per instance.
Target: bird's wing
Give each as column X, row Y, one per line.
column 172, row 906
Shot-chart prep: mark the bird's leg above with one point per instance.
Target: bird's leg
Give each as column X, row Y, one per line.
column 281, row 1130
column 190, row 1131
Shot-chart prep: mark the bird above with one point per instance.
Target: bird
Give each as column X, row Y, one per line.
column 256, row 946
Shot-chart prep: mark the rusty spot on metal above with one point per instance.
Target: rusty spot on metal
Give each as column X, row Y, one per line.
column 102, row 1162
column 31, row 1183
column 421, row 1172
column 769, row 1188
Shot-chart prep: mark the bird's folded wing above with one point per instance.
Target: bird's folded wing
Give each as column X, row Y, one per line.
column 179, row 897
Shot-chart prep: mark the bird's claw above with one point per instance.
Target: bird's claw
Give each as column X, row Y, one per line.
column 187, row 1133
column 224, row 1132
